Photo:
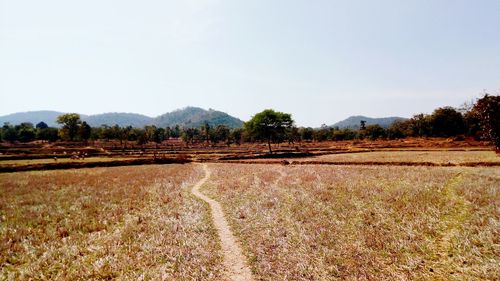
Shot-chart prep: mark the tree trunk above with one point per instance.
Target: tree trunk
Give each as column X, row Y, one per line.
column 269, row 144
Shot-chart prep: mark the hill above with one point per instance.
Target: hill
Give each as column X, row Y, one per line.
column 186, row 117
column 120, row 119
column 196, row 117
column 47, row 116
column 354, row 121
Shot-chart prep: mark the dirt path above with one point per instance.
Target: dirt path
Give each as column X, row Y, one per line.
column 234, row 261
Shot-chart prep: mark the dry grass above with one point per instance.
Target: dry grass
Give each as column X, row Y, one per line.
column 106, row 223
column 59, row 160
column 439, row 157
column 369, row 223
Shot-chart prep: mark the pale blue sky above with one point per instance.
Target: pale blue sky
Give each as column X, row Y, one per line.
column 322, row 61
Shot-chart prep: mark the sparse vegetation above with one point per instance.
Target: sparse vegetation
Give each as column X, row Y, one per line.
column 371, row 223
column 298, row 222
column 106, row 223
column 438, row 157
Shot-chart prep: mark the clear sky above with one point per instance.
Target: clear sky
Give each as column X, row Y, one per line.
column 322, row 61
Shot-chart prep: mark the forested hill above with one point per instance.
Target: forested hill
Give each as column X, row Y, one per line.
column 353, row 122
column 196, row 117
column 120, row 119
column 186, row 117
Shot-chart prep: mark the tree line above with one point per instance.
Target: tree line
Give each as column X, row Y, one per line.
column 480, row 120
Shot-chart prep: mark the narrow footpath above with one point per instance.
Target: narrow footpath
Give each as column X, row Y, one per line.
column 234, row 261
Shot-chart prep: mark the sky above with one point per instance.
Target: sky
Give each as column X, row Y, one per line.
column 321, row 60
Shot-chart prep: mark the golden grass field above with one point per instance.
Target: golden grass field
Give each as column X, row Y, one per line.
column 59, row 160
column 294, row 222
column 363, row 223
column 439, row 157
column 105, row 223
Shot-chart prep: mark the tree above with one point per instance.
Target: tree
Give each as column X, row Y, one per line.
column 237, row 135
column 344, row 134
column 398, row 130
column 419, row 125
column 42, row 125
column 362, row 125
column 374, row 132
column 70, row 122
column 47, row 134
column 125, row 135
column 159, row 135
column 323, row 133
column 220, row 133
column 447, row 122
column 293, row 135
column 9, row 133
column 270, row 126
column 149, row 132
column 306, row 134
column 472, row 124
column 206, row 131
column 189, row 135
column 25, row 132
column 176, row 132
column 168, row 133
column 84, row 131
column 487, row 110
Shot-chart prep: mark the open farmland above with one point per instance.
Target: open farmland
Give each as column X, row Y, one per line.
column 371, row 223
column 288, row 222
column 408, row 157
column 22, row 162
column 102, row 223
column 438, row 157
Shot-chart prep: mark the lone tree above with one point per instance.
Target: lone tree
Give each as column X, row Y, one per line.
column 71, row 123
column 487, row 110
column 270, row 126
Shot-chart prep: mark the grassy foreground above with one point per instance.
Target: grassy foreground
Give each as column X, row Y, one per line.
column 363, row 223
column 106, row 223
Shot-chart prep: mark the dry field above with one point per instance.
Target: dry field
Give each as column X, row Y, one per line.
column 125, row 223
column 318, row 222
column 439, row 157
column 294, row 222
column 413, row 156
column 21, row 162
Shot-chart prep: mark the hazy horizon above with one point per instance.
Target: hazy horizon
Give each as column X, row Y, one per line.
column 322, row 61
column 330, row 122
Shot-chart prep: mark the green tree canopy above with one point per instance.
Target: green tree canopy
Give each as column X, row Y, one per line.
column 9, row 133
column 447, row 122
column 487, row 110
column 71, row 123
column 42, row 125
column 269, row 125
column 84, row 131
column 25, row 132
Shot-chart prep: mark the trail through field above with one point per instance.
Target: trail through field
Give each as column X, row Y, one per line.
column 450, row 226
column 234, row 261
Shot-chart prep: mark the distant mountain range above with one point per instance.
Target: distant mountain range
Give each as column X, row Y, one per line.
column 353, row 122
column 190, row 117
column 186, row 117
